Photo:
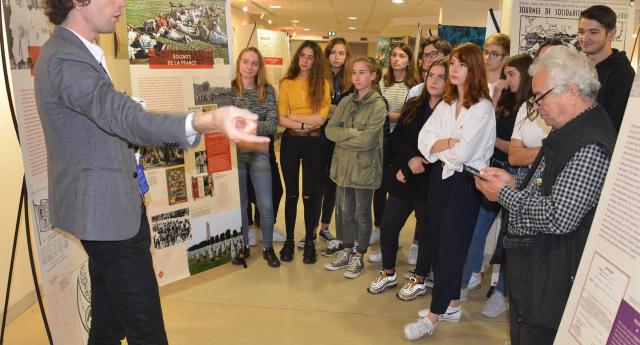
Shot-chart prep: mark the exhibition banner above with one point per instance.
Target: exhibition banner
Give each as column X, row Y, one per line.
column 604, row 305
column 181, row 60
column 533, row 22
column 62, row 261
column 193, row 209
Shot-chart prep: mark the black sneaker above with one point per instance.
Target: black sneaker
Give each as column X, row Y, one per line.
column 302, row 242
column 309, row 255
column 326, row 235
column 270, row 256
column 286, row 253
column 333, row 247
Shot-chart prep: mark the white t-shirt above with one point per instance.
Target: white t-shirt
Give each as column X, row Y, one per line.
column 475, row 127
column 416, row 90
column 530, row 132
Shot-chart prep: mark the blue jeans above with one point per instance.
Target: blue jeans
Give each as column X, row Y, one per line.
column 257, row 165
column 353, row 216
column 475, row 256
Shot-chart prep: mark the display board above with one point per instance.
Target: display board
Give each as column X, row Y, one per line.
column 181, row 59
column 604, row 304
column 534, row 22
column 193, row 204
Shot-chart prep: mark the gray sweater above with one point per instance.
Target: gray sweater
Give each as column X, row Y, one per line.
column 267, row 109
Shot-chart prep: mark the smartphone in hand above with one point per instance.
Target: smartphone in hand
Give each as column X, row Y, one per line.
column 471, row 170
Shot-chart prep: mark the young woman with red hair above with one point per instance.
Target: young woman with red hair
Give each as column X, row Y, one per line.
column 460, row 132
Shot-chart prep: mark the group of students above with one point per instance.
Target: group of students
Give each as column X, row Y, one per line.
column 394, row 144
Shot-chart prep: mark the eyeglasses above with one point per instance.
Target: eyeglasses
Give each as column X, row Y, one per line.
column 531, row 112
column 492, row 55
column 431, row 55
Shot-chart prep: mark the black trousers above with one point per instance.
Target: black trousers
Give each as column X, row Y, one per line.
column 308, row 151
column 124, row 291
column 329, row 190
column 518, row 287
column 452, row 209
column 396, row 213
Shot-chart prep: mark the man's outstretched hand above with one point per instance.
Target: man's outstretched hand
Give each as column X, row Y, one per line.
column 237, row 124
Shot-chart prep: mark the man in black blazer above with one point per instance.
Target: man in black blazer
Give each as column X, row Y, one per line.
column 90, row 130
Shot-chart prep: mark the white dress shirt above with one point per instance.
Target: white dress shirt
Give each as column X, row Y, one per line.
column 475, row 127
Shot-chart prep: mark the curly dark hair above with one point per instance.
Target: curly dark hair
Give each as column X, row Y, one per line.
column 58, row 10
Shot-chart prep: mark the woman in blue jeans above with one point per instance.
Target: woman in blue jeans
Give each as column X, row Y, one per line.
column 252, row 91
column 515, row 90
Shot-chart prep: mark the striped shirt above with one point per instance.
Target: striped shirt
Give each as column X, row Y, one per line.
column 266, row 109
column 396, row 95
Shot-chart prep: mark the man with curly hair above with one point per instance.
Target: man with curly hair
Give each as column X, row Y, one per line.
column 90, row 131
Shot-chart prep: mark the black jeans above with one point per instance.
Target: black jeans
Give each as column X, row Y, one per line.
column 452, row 209
column 124, row 291
column 329, row 190
column 396, row 213
column 309, row 151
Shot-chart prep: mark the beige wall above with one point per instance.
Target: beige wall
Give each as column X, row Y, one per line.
column 466, row 12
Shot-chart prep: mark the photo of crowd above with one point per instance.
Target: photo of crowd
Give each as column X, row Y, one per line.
column 160, row 157
column 170, row 228
column 156, row 25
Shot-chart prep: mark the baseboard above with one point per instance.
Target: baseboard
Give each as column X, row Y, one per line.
column 20, row 307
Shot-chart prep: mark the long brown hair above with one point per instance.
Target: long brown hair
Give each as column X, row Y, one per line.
column 410, row 108
column 315, row 91
column 346, row 73
column 475, row 85
column 260, row 79
column 510, row 102
column 410, row 75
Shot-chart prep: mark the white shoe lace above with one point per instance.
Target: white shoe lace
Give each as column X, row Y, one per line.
column 354, row 263
column 333, row 244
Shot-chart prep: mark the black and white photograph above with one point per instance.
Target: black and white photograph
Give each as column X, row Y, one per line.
column 204, row 92
column 170, row 228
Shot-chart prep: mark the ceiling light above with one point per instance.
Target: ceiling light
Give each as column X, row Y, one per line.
column 269, row 21
column 275, row 6
column 294, row 34
column 295, row 21
column 245, row 9
column 352, row 28
column 262, row 15
column 398, row 1
column 306, row 29
column 353, row 18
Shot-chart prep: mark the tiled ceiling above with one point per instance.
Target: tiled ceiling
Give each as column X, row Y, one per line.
column 319, row 16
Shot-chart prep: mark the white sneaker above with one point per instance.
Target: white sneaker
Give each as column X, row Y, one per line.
column 474, row 281
column 418, row 329
column 451, row 315
column 494, row 306
column 375, row 256
column 464, row 295
column 411, row 290
column 382, row 282
column 375, row 236
column 253, row 238
column 413, row 255
column 278, row 236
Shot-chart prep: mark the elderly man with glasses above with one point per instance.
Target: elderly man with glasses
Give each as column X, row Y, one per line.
column 551, row 209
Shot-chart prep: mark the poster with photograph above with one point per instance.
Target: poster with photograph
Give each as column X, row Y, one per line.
column 27, row 30
column 201, row 161
column 382, row 51
column 161, row 157
column 204, row 93
column 171, row 228
column 176, row 186
column 535, row 22
column 214, row 242
column 604, row 304
column 175, row 34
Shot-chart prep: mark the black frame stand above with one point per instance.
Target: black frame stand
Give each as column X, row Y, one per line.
column 24, row 203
